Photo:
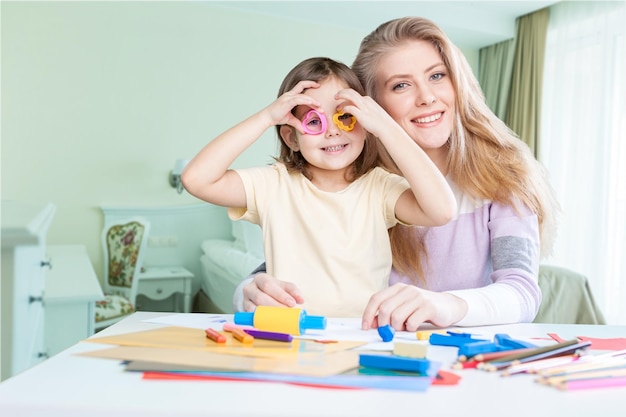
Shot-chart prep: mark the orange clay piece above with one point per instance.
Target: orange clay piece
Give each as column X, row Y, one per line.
column 215, row 336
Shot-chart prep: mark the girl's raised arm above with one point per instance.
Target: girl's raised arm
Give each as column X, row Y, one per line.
column 207, row 175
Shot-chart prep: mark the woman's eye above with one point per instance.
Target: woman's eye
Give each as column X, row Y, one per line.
column 345, row 116
column 438, row 76
column 400, row 86
column 314, row 122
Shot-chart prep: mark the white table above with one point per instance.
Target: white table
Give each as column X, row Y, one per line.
column 70, row 386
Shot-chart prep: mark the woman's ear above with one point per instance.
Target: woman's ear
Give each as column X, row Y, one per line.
column 288, row 134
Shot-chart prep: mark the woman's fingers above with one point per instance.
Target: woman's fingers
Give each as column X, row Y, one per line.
column 404, row 307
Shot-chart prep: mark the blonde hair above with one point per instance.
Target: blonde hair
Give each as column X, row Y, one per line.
column 485, row 158
column 318, row 69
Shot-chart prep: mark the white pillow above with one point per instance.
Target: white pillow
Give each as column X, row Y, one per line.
column 232, row 259
column 248, row 237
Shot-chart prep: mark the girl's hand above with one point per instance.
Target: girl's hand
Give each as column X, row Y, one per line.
column 368, row 113
column 265, row 290
column 279, row 112
column 406, row 307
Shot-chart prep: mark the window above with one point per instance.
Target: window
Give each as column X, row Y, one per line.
column 583, row 144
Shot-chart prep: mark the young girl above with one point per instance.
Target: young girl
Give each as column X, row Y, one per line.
column 325, row 206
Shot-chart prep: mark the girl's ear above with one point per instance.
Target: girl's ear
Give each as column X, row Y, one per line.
column 288, row 134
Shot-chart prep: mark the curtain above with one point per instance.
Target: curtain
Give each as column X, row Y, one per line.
column 584, row 143
column 495, row 68
column 523, row 110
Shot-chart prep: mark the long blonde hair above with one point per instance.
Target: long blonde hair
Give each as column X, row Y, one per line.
column 485, row 158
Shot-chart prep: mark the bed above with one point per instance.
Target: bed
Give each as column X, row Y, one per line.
column 225, row 263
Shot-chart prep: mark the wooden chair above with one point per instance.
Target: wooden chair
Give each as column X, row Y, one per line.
column 124, row 244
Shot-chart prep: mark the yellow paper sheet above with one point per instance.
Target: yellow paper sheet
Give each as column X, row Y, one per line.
column 320, row 365
column 185, row 338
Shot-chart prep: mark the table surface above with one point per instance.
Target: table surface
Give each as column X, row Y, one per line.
column 68, row 385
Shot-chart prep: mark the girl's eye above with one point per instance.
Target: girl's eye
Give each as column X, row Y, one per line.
column 313, row 124
column 346, row 117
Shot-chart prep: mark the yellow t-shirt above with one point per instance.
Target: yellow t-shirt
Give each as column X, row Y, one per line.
column 333, row 245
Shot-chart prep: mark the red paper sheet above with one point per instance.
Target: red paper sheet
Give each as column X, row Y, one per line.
column 617, row 343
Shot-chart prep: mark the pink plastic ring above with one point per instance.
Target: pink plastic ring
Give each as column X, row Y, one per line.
column 312, row 113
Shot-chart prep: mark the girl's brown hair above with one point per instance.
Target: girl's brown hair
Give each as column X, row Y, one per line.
column 318, row 69
column 485, row 158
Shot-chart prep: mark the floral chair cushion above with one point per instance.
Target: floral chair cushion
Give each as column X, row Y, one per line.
column 113, row 306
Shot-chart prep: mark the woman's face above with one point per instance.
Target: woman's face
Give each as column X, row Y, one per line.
column 414, row 87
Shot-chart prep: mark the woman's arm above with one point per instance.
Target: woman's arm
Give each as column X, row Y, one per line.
column 480, row 273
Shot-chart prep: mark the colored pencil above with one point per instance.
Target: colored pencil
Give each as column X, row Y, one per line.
column 589, row 367
column 534, row 366
column 486, row 357
column 535, row 351
column 558, row 349
column 607, row 373
column 465, row 364
column 593, row 383
column 586, row 362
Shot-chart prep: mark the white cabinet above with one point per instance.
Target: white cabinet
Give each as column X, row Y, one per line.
column 72, row 289
column 22, row 283
column 161, row 282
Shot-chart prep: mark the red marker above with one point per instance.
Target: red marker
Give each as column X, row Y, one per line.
column 215, row 336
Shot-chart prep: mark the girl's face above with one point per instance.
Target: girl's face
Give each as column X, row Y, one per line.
column 333, row 151
column 413, row 86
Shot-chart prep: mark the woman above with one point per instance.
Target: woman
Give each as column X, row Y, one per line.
column 482, row 267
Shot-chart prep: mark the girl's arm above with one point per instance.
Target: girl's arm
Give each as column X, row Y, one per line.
column 430, row 201
column 207, row 175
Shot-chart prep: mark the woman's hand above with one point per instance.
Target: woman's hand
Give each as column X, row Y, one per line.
column 265, row 290
column 406, row 307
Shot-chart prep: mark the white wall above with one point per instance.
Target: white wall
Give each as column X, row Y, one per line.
column 100, row 98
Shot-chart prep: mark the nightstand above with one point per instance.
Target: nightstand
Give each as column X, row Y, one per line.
column 160, row 282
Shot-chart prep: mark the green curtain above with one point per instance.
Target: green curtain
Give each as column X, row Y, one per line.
column 495, row 69
column 524, row 106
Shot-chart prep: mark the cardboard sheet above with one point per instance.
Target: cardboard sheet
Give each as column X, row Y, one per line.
column 185, row 338
column 155, row 358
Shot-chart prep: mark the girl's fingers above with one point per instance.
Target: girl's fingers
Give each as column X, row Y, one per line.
column 303, row 85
